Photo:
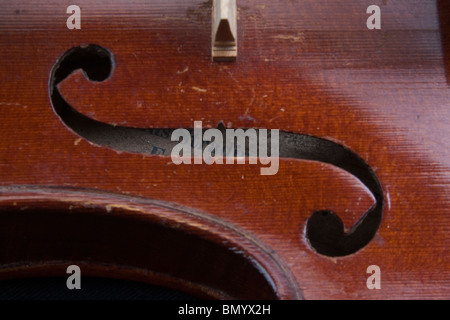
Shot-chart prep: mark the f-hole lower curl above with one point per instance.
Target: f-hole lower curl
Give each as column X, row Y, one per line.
column 324, row 230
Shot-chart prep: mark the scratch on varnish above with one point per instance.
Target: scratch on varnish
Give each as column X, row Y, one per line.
column 199, row 89
column 300, row 37
column 184, row 71
column 13, row 104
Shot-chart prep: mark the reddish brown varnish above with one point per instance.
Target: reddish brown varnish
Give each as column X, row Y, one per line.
column 310, row 67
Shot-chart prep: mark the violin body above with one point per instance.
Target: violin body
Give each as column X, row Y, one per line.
column 80, row 183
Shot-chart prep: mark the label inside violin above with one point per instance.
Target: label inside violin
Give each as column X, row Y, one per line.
column 212, row 145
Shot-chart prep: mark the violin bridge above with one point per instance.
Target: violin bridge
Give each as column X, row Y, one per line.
column 224, row 30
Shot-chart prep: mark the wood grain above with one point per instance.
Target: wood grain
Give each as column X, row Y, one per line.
column 308, row 67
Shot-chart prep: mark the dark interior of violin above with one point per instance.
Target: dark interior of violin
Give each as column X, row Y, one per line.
column 249, row 149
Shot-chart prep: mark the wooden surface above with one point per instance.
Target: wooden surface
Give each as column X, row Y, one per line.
column 309, row 67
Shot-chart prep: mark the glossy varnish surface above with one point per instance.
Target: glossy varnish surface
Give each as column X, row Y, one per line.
column 309, row 67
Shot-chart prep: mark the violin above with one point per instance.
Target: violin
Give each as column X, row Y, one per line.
column 229, row 149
